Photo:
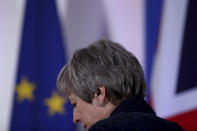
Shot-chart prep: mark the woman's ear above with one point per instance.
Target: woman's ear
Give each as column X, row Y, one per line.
column 100, row 96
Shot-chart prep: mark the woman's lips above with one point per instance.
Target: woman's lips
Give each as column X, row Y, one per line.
column 85, row 126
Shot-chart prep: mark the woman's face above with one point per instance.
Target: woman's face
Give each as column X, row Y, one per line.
column 86, row 113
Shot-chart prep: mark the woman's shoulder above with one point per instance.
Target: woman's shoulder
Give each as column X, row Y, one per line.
column 135, row 121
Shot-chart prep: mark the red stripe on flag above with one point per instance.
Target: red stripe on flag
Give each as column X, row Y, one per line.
column 187, row 120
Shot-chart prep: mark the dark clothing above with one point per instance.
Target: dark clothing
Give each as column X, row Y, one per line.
column 134, row 114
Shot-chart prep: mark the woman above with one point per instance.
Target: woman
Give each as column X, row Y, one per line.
column 106, row 86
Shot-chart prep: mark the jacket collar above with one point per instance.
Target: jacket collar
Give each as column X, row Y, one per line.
column 133, row 105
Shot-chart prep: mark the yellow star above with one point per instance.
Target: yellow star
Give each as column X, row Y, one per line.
column 25, row 90
column 55, row 104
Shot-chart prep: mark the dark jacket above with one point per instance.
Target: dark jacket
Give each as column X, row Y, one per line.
column 134, row 114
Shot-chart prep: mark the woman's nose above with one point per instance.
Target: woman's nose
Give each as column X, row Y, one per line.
column 76, row 118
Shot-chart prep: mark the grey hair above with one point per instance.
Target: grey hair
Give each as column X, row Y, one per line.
column 103, row 63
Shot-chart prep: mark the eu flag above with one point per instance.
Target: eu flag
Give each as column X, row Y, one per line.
column 37, row 106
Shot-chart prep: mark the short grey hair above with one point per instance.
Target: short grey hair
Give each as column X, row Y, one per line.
column 103, row 63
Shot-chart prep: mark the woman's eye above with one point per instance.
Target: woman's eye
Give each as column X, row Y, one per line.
column 74, row 105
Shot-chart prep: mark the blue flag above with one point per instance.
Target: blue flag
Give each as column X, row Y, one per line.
column 37, row 106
